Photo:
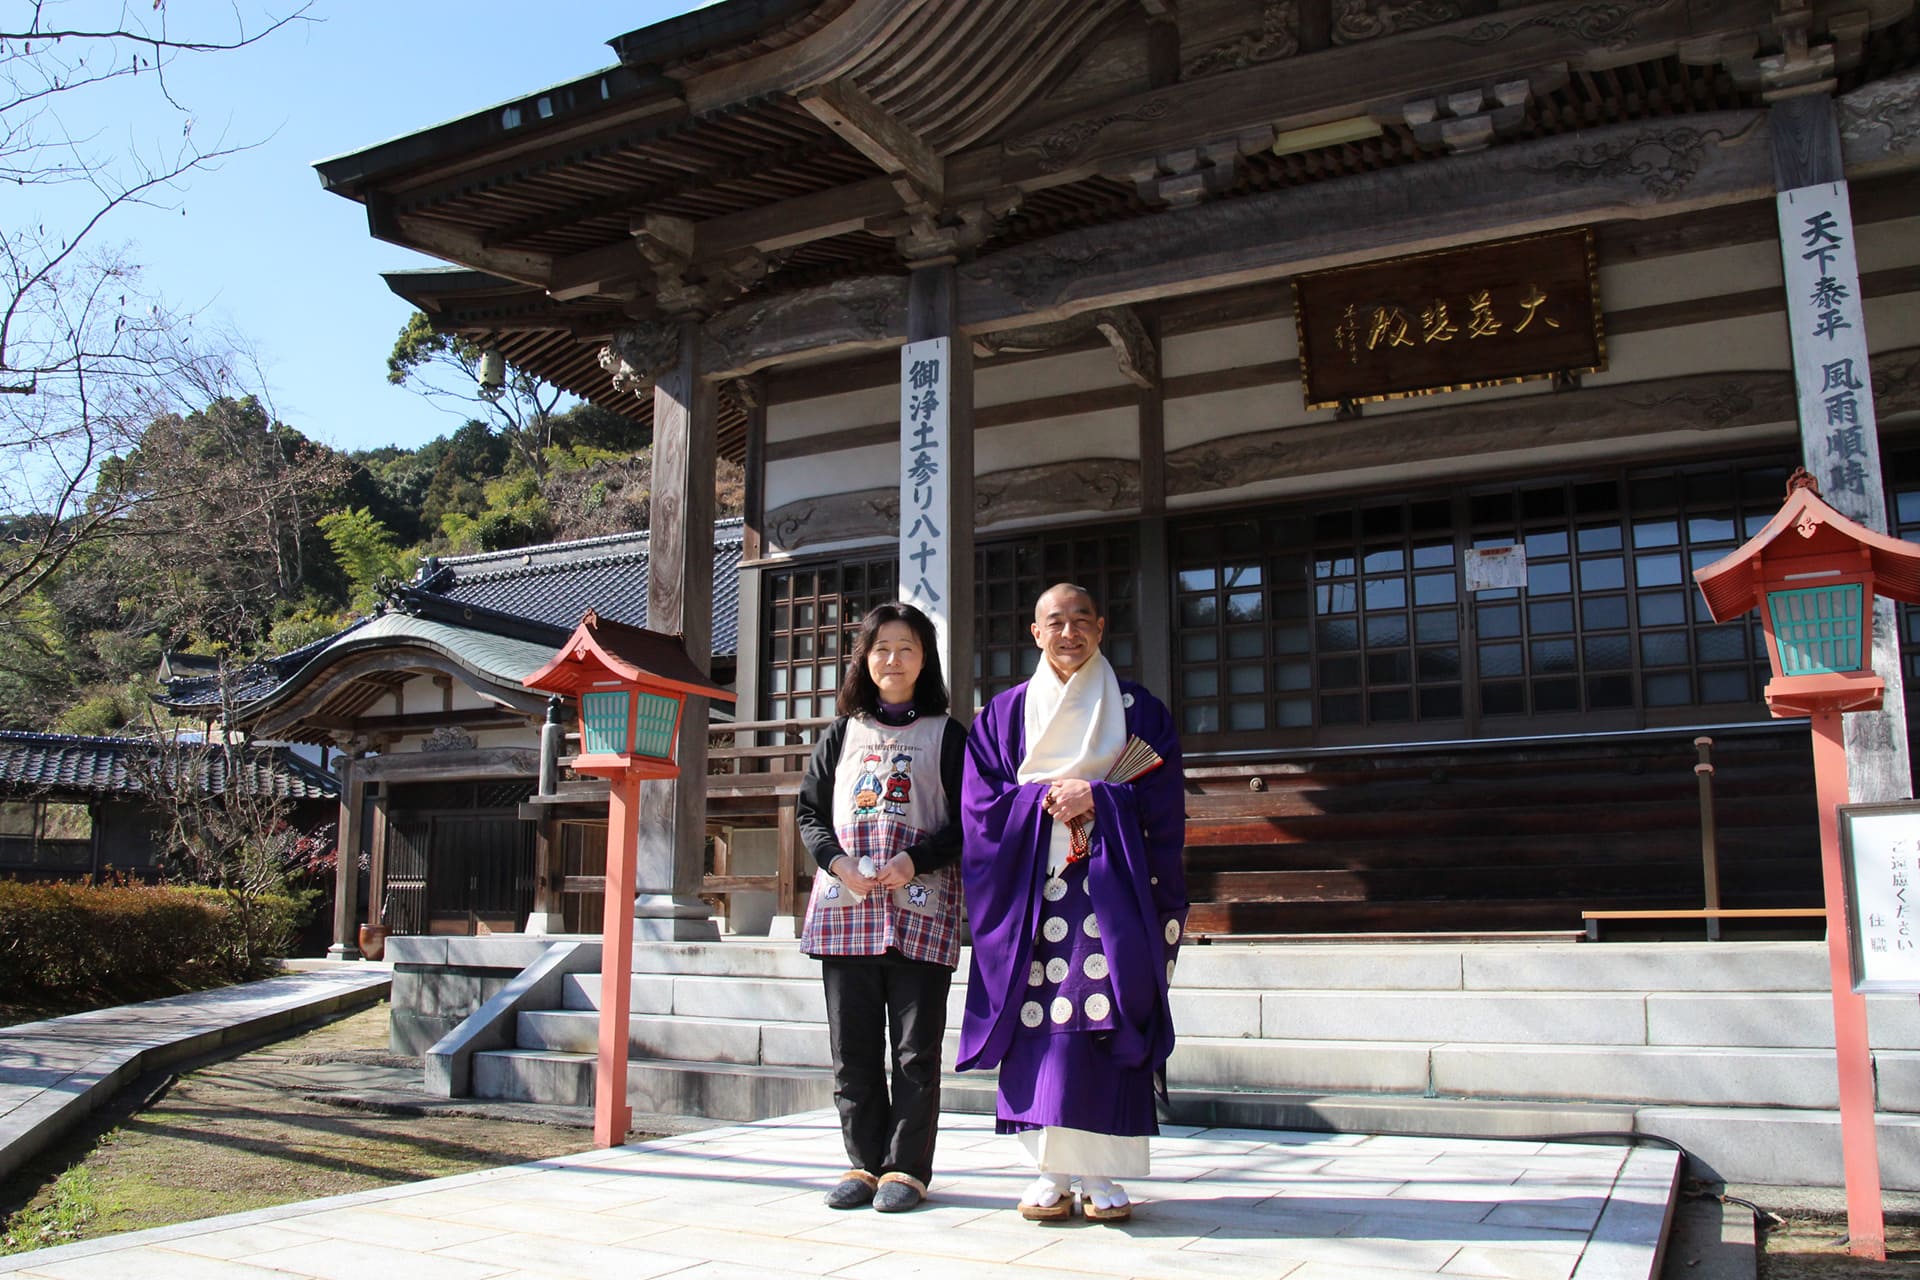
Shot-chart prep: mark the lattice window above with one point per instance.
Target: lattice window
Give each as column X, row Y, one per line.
column 1302, row 625
column 1010, row 574
column 812, row 613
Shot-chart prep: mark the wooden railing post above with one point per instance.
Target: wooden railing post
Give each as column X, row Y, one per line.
column 1709, row 850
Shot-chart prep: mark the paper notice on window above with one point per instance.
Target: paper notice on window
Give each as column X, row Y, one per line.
column 1491, row 568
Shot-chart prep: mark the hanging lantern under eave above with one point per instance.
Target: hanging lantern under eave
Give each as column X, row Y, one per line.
column 1813, row 574
column 631, row 686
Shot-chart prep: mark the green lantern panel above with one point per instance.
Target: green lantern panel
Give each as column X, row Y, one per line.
column 1818, row 629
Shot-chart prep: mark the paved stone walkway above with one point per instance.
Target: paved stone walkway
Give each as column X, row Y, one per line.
column 52, row 1073
column 744, row 1203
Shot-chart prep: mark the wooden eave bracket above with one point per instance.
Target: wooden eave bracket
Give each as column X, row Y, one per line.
column 1467, row 120
column 1184, row 176
column 867, row 127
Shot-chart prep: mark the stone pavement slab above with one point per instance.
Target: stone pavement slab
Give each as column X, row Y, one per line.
column 53, row 1072
column 746, row 1200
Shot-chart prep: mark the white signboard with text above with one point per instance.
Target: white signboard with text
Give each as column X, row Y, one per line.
column 1828, row 325
column 1880, row 850
column 926, row 572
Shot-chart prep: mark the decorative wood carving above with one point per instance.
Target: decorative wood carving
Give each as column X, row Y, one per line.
column 1704, row 402
column 1059, row 147
column 448, row 737
column 1610, row 24
column 1022, row 493
column 637, row 355
column 1357, row 20
column 1133, row 347
column 1662, row 159
column 1880, row 122
column 1278, row 37
column 865, row 312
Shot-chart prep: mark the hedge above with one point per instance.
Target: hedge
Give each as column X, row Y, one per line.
column 125, row 942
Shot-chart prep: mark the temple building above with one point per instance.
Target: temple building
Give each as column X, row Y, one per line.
column 1384, row 368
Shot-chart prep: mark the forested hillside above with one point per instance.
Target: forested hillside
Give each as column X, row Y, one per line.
column 231, row 533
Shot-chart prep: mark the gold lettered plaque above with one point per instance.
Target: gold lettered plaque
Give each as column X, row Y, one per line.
column 1478, row 316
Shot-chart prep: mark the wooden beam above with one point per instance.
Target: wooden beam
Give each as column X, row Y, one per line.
column 465, row 249
column 799, row 220
column 864, row 125
column 1346, row 81
column 1679, row 164
column 422, row 766
column 1700, row 403
column 597, row 271
column 827, row 54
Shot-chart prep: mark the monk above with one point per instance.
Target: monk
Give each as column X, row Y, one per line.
column 1077, row 902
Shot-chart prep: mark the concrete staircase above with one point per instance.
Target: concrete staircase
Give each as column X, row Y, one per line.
column 1717, row 1047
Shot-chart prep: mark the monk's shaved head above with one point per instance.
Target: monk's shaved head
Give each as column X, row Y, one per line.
column 1067, row 626
column 1053, row 595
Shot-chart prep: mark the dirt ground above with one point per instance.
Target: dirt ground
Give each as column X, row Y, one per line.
column 250, row 1139
column 1811, row 1249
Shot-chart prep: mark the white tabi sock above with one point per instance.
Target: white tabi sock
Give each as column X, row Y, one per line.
column 1047, row 1189
column 1105, row 1193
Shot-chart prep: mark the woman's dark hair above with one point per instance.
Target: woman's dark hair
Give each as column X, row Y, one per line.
column 859, row 695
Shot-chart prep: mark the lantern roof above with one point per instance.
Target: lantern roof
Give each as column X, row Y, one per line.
column 599, row 648
column 1807, row 532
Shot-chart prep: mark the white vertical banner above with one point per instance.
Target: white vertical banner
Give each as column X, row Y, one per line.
column 926, row 555
column 1840, row 442
column 1825, row 316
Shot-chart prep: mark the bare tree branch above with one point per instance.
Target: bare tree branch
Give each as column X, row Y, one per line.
column 88, row 356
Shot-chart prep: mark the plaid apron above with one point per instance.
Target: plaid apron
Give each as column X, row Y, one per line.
column 887, row 794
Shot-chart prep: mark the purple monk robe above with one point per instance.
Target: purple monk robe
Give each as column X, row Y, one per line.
column 1134, row 878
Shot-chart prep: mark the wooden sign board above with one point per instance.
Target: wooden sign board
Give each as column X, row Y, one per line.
column 1880, row 854
column 1479, row 316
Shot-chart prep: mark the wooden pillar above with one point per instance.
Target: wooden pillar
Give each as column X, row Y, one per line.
column 346, row 871
column 1153, row 600
column 936, row 473
column 673, row 819
column 1839, row 434
column 548, row 915
column 377, row 859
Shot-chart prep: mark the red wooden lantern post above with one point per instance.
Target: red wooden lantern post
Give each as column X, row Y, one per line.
column 1813, row 574
column 631, row 686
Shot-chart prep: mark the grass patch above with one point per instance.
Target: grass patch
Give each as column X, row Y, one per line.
column 63, row 1213
column 247, row 1134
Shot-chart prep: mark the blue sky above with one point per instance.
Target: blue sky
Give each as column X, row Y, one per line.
column 258, row 247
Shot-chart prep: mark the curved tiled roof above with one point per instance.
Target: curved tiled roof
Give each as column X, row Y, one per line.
column 559, row 582
column 39, row 763
column 251, row 682
column 552, row 585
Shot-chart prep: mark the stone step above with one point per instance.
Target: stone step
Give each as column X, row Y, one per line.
column 1771, row 1146
column 1646, row 1075
column 1779, row 1019
column 1369, row 966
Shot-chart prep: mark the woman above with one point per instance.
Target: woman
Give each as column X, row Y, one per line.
column 877, row 811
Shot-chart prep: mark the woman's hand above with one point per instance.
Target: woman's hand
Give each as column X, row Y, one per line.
column 1068, row 799
column 897, row 873
column 846, row 869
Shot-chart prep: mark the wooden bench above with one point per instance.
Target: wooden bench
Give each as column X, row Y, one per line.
column 1592, row 919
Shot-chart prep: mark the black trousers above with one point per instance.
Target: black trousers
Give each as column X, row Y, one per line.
column 874, row 1002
